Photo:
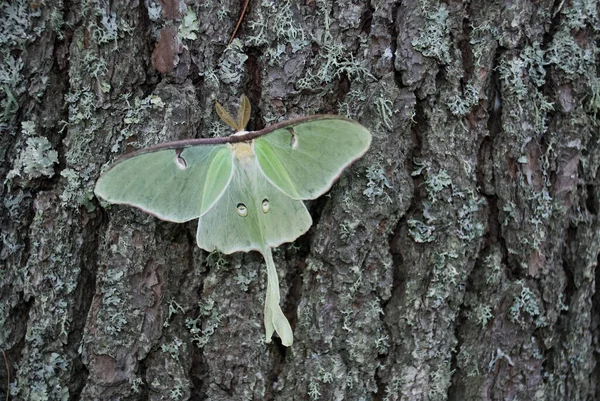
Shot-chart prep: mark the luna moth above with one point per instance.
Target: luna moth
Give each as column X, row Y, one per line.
column 246, row 190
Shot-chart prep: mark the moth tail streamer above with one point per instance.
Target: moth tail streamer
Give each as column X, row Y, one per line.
column 275, row 320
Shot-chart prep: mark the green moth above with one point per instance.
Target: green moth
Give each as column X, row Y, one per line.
column 246, row 189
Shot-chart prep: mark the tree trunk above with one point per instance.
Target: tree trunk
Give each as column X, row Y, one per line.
column 457, row 260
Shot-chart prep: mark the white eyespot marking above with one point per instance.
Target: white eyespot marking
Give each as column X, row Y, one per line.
column 242, row 210
column 266, row 206
column 180, row 161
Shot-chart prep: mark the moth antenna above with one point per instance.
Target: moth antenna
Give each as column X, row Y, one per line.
column 243, row 112
column 226, row 117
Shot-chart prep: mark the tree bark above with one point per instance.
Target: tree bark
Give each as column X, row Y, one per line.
column 457, row 260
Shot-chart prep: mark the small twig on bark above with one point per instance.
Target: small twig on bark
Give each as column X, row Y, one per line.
column 239, row 20
column 7, row 375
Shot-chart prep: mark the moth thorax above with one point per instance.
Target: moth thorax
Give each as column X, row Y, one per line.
column 243, row 151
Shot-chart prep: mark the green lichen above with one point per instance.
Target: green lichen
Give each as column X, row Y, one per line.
column 326, row 371
column 441, row 379
column 420, row 232
column 231, row 66
column 172, row 348
column 482, row 315
column 446, row 275
column 469, row 362
column 347, row 229
column 278, row 20
column 74, row 193
column 365, row 335
column 482, row 38
column 524, row 72
column 462, row 104
column 177, row 392
column 82, row 103
column 436, row 183
column 543, row 209
column 421, row 167
column 511, row 73
column 497, row 356
column 223, row 13
column 274, row 54
column 353, row 98
column 154, row 10
column 384, row 110
column 216, row 260
column 136, row 385
column 37, row 159
column 106, row 30
column 392, row 389
column 173, row 309
column 204, row 325
column 332, row 62
column 334, row 59
column 210, row 77
column 244, row 277
column 382, row 343
column 11, row 85
column 189, row 26
column 173, row 388
column 105, row 27
column 218, row 129
column 534, row 58
column 377, row 185
column 112, row 300
column 94, row 66
column 20, row 24
column 357, row 282
column 470, row 227
column 10, row 73
column 526, row 302
column 15, row 23
column 304, row 313
column 581, row 13
column 568, row 56
column 47, row 388
column 510, row 210
column 593, row 103
column 493, row 268
column 49, row 279
column 137, row 113
column 313, row 389
column 541, row 108
column 433, row 40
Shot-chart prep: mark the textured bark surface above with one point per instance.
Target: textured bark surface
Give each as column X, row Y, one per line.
column 456, row 261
